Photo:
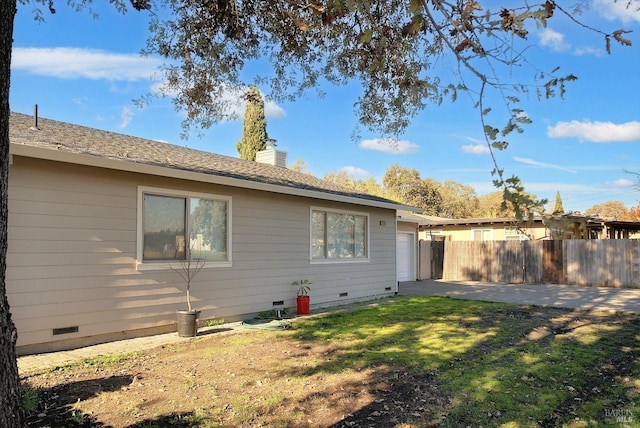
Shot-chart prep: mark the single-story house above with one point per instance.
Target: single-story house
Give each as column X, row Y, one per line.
column 583, row 227
column 617, row 229
column 99, row 220
column 568, row 226
column 479, row 229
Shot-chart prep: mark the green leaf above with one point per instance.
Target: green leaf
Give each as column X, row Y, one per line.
column 500, row 145
column 415, row 6
column 366, row 36
column 491, row 132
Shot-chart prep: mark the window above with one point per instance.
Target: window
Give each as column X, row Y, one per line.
column 514, row 234
column 338, row 235
column 174, row 225
column 433, row 234
column 481, row 234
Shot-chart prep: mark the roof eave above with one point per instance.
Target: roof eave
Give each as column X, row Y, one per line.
column 142, row 168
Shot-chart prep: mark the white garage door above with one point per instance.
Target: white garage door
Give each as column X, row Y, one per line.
column 405, row 257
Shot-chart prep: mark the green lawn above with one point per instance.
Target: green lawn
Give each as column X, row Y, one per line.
column 501, row 365
column 405, row 362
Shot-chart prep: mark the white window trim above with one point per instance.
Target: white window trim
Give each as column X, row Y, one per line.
column 338, row 260
column 166, row 265
column 515, row 234
column 434, row 232
column 474, row 229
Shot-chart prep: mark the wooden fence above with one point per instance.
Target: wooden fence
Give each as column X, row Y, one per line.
column 611, row 263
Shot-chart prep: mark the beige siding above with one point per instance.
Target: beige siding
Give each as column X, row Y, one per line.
column 72, row 256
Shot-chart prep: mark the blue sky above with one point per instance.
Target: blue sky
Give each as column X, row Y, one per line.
column 87, row 71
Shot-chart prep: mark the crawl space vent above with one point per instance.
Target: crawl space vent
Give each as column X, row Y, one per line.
column 65, row 330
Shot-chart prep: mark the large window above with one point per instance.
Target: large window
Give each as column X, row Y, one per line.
column 337, row 235
column 176, row 226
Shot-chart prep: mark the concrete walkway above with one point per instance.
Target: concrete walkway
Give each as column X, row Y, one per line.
column 561, row 296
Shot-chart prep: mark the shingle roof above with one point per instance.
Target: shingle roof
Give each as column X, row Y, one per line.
column 420, row 219
column 66, row 137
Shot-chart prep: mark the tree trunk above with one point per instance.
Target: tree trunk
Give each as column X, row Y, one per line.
column 11, row 410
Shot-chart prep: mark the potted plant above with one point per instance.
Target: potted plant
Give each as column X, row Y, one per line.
column 187, row 320
column 302, row 300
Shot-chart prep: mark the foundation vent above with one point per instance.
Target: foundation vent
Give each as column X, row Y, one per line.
column 65, row 330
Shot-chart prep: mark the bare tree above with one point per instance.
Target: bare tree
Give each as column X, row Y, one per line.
column 636, row 176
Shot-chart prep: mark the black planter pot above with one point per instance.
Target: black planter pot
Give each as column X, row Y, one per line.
column 187, row 323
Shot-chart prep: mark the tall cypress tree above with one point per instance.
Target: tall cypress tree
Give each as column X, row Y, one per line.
column 254, row 128
column 558, row 208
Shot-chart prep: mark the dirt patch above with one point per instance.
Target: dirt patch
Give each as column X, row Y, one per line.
column 316, row 376
column 252, row 378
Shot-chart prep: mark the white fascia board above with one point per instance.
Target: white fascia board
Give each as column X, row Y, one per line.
column 141, row 168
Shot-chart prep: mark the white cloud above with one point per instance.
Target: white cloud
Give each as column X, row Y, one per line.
column 73, row 63
column 233, row 97
column 93, row 64
column 597, row 132
column 554, row 40
column 80, row 100
column 621, row 183
column 127, row 116
column 624, row 10
column 390, row 145
column 273, row 110
column 353, row 171
column 473, row 140
column 587, row 50
column 161, row 89
column 475, row 149
column 541, row 164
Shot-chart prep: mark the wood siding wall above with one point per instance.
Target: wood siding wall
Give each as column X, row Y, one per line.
column 72, row 257
column 609, row 263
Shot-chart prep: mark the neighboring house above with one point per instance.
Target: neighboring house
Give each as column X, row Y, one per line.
column 615, row 229
column 96, row 220
column 480, row 229
column 539, row 228
column 575, row 226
